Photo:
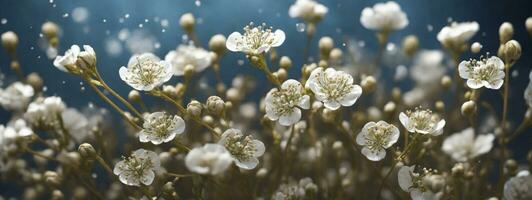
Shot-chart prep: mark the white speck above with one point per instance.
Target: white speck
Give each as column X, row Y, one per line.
column 3, row 21
column 141, row 25
column 390, row 47
column 163, row 30
column 157, row 45
column 198, row 3
column 240, row 62
column 146, row 20
column 121, row 20
column 63, row 82
column 260, row 10
column 300, row 27
column 165, row 23
column 515, row 73
column 65, row 15
column 80, row 14
column 104, row 20
column 51, row 1
column 361, row 43
column 126, row 16
column 430, row 28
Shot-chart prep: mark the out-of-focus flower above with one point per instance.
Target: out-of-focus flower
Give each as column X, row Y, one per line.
column 208, row 159
column 188, row 55
column 422, row 121
column 308, row 10
column 428, row 67
column 518, row 187
column 528, row 92
column 16, row 96
column 304, row 189
column 138, row 168
column 74, row 59
column 285, row 104
column 384, row 17
column 76, row 124
column 376, row 138
column 159, row 127
column 333, row 88
column 146, row 71
column 9, row 134
column 256, row 40
column 464, row 146
column 487, row 73
column 456, row 35
column 45, row 111
column 414, row 183
column 244, row 149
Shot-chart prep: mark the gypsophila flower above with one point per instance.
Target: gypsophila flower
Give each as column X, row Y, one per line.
column 244, row 149
column 256, row 39
column 487, row 73
column 17, row 129
column 376, row 138
column 285, row 104
column 208, row 159
column 414, row 183
column 138, row 168
column 304, row 189
column 464, row 146
column 74, row 56
column 16, row 96
column 456, row 35
column 160, row 127
column 145, row 72
column 384, row 17
column 519, row 187
column 188, row 55
column 422, row 121
column 76, row 124
column 333, row 88
column 528, row 91
column 45, row 112
column 308, row 10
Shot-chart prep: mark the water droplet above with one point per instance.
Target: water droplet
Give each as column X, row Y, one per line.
column 141, row 25
column 65, row 15
column 104, row 20
column 82, row 88
column 146, row 20
column 126, row 16
column 300, row 27
column 198, row 3
column 163, row 30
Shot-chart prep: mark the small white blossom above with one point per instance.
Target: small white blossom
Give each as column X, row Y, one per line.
column 413, row 182
column 256, row 40
column 16, row 96
column 384, row 17
column 145, row 72
column 333, row 88
column 528, row 92
column 518, row 187
column 304, row 189
column 308, row 10
column 76, row 124
column 285, row 104
column 457, row 34
column 9, row 134
column 428, row 66
column 464, row 146
column 45, row 111
column 188, row 55
column 487, row 73
column 139, row 168
column 88, row 57
column 244, row 149
column 422, row 121
column 208, row 159
column 159, row 127
column 376, row 138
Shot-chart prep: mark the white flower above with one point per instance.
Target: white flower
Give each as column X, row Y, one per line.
column 428, row 67
column 487, row 73
column 457, row 34
column 244, row 149
column 188, row 55
column 384, row 17
column 333, row 88
column 463, row 146
column 518, row 187
column 146, row 71
column 412, row 182
column 88, row 57
column 376, row 138
column 208, row 159
column 45, row 112
column 285, row 104
column 422, row 121
column 256, row 40
column 76, row 124
column 138, row 168
column 308, row 10
column 528, row 92
column 16, row 96
column 159, row 127
column 17, row 129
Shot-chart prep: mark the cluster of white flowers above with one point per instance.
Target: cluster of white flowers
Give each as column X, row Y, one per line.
column 376, row 138
column 486, row 72
column 519, row 187
column 196, row 58
column 256, row 40
column 209, row 159
column 422, row 121
column 138, row 168
column 464, row 146
column 285, row 104
column 456, row 35
column 45, row 112
column 333, row 88
column 308, row 10
column 244, row 149
column 416, row 183
column 160, row 127
column 384, row 17
column 303, row 189
column 16, row 96
column 146, row 72
column 9, row 134
column 74, row 57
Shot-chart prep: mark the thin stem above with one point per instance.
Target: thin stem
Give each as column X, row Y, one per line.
column 502, row 139
column 115, row 94
column 263, row 66
column 105, row 165
column 520, row 129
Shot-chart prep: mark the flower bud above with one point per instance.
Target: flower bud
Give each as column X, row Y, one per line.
column 35, row 81
column 326, row 44
column 281, row 74
column 337, row 145
column 52, row 178
column 285, row 62
column 86, row 150
column 476, row 47
column 468, row 108
column 9, row 41
column 335, row 55
column 368, row 84
column 528, row 25
column 410, row 45
column 396, row 94
column 389, row 107
column 170, row 90
column 189, row 71
column 50, row 30
column 458, row 170
column 446, row 82
column 217, row 43
column 262, row 172
column 57, row 195
column 440, row 106
column 233, row 94
column 134, row 95
column 187, row 22
column 215, row 105
column 208, row 119
column 511, row 167
column 511, row 51
column 194, row 108
column 506, row 32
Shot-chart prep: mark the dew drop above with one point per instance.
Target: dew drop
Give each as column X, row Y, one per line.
column 300, row 27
